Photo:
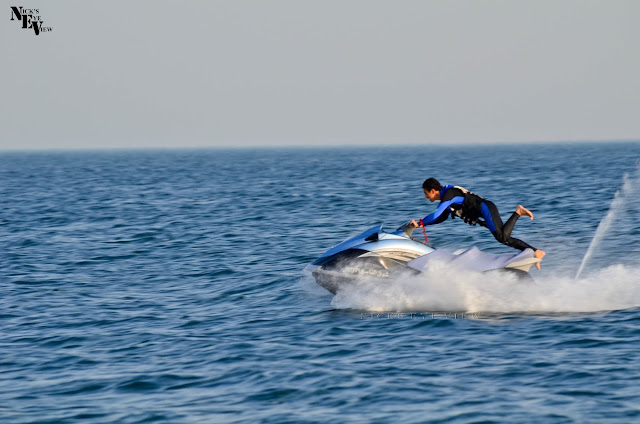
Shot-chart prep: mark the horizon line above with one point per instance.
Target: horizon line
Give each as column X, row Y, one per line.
column 317, row 146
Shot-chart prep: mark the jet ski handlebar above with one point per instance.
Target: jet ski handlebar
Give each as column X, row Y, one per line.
column 406, row 228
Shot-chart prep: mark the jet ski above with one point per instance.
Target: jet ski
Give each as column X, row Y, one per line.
column 382, row 256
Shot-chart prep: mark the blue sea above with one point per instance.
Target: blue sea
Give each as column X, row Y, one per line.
column 167, row 286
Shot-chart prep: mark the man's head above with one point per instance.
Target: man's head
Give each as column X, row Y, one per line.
column 431, row 188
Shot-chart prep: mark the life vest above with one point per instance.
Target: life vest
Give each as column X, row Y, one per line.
column 471, row 209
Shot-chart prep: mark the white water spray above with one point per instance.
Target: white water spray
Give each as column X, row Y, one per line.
column 443, row 289
column 629, row 186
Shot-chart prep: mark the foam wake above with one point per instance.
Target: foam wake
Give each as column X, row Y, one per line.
column 613, row 288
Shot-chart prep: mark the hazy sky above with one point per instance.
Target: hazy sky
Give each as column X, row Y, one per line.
column 238, row 73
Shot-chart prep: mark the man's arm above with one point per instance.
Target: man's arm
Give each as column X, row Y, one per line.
column 440, row 214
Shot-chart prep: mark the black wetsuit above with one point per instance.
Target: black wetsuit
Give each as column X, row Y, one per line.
column 456, row 201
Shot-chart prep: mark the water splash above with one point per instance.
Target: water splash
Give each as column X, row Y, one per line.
column 612, row 288
column 629, row 189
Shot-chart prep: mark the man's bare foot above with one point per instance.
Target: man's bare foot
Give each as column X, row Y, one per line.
column 521, row 210
column 539, row 254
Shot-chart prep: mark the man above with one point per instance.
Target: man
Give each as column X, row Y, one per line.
column 460, row 202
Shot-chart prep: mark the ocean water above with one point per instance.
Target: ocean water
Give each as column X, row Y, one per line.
column 167, row 286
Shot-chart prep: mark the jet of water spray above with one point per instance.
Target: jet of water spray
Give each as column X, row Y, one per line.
column 629, row 185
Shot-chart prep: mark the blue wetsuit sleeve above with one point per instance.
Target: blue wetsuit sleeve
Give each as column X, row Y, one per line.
column 443, row 211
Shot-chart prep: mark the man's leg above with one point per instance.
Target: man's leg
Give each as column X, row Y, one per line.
column 502, row 232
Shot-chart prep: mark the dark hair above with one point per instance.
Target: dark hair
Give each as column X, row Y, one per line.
column 431, row 183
